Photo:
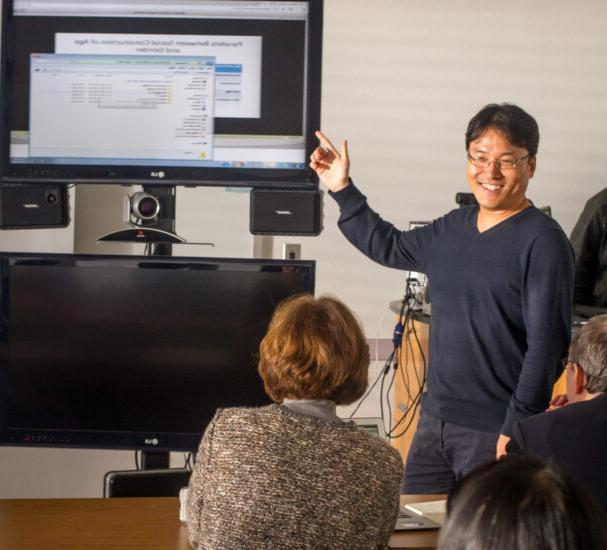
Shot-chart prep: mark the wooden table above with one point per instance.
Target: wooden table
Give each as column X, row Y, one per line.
column 92, row 524
column 120, row 524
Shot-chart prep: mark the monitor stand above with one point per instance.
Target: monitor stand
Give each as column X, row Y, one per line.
column 166, row 222
column 151, row 459
column 155, row 478
column 155, row 460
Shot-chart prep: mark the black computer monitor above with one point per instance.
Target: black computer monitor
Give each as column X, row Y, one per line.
column 128, row 352
column 193, row 92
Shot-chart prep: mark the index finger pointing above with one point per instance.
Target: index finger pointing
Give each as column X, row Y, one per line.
column 326, row 142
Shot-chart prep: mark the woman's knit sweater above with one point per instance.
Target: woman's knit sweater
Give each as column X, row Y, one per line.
column 270, row 477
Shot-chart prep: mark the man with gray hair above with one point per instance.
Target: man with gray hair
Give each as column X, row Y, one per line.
column 574, row 433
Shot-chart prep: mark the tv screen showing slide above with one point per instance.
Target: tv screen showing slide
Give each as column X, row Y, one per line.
column 195, row 92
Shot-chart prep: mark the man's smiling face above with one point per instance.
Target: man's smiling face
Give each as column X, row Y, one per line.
column 497, row 185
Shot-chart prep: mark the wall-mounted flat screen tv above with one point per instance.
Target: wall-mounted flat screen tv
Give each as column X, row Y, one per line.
column 192, row 92
column 128, row 352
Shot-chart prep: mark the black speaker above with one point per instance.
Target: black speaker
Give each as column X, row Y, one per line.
column 286, row 212
column 25, row 206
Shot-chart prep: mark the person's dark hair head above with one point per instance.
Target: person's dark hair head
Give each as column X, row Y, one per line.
column 314, row 349
column 519, row 503
column 589, row 350
column 517, row 125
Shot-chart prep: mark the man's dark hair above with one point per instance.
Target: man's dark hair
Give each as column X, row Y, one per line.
column 516, row 124
column 520, row 503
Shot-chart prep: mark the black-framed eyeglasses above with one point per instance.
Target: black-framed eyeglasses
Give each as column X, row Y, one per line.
column 500, row 164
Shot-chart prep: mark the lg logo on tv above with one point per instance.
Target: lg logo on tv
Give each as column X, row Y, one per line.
column 150, row 441
column 159, row 174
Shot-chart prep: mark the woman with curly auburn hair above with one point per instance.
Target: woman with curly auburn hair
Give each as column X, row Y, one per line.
column 314, row 349
column 293, row 474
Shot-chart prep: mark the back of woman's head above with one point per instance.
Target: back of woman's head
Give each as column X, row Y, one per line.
column 314, row 349
column 520, row 503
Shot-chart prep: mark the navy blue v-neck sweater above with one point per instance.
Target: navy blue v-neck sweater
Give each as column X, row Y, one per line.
column 501, row 306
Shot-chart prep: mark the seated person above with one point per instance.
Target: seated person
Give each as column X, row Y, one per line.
column 521, row 503
column 293, row 474
column 574, row 435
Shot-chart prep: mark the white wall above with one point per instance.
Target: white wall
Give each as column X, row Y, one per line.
column 400, row 81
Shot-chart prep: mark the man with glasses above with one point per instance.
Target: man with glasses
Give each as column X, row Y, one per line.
column 501, row 274
column 574, row 436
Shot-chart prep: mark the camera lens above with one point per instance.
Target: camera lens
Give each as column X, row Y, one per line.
column 51, row 198
column 145, row 206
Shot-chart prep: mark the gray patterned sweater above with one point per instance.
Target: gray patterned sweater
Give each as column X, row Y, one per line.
column 270, row 477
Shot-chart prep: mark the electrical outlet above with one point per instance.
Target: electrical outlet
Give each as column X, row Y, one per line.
column 291, row 251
